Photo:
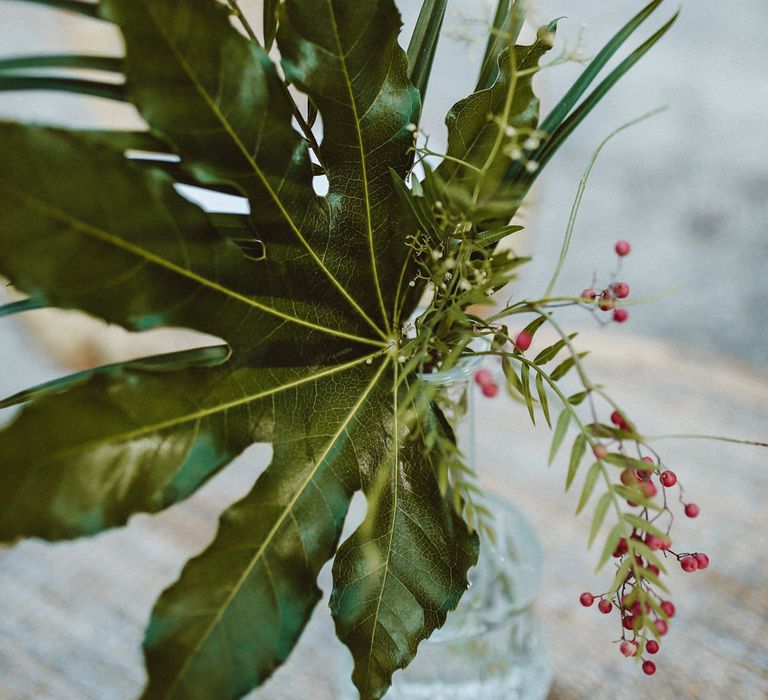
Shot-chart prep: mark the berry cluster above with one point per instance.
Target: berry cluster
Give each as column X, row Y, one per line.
column 607, row 298
column 643, row 482
column 484, row 379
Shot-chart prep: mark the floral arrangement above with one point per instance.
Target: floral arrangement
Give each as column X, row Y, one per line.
column 313, row 296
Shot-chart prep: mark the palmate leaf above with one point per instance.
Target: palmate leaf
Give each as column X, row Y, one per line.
column 308, row 324
column 308, row 294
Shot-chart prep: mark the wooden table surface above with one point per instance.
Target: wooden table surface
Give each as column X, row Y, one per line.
column 72, row 614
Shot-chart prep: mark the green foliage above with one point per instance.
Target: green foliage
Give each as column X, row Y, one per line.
column 310, row 295
column 423, row 44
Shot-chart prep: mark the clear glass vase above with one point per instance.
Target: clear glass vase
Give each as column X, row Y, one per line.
column 491, row 647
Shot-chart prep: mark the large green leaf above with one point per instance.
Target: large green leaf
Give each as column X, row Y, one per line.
column 305, row 291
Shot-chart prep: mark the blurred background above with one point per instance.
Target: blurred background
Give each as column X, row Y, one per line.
column 688, row 188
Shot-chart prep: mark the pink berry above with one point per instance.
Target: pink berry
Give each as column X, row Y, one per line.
column 490, row 390
column 617, row 419
column 589, row 294
column 620, row 315
column 692, row 510
column 654, row 569
column 648, row 489
column 622, row 248
column 654, row 543
column 628, row 477
column 483, row 376
column 628, row 648
column 600, row 451
column 621, row 289
column 668, row 478
column 649, row 668
column 523, row 340
column 668, row 607
column 702, row 560
column 689, row 564
column 605, row 606
column 652, row 647
column 586, row 599
column 661, row 627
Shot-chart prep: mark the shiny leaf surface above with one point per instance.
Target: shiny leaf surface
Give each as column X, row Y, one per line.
column 383, row 603
column 260, row 571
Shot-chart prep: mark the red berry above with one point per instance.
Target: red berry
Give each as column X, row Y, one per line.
column 621, row 289
column 622, row 248
column 622, row 548
column 692, row 510
column 652, row 647
column 617, row 419
column 620, row 315
column 605, row 606
column 661, row 627
column 629, row 622
column 648, row 489
column 668, row 607
column 654, row 542
column 586, row 599
column 490, row 390
column 628, row 648
column 523, row 340
column 654, row 569
column 628, row 477
column 689, row 564
column 483, row 376
column 702, row 560
column 589, row 294
column 668, row 478
column 600, row 451
column 649, row 668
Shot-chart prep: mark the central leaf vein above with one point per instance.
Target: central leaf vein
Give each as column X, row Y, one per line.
column 363, row 164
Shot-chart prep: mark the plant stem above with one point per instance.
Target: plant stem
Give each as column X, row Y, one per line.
column 580, row 193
